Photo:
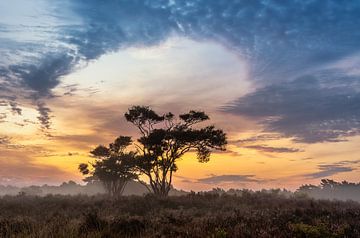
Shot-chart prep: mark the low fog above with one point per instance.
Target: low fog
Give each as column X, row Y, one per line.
column 327, row 189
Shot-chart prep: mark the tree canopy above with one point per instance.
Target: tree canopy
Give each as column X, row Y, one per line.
column 165, row 139
column 113, row 166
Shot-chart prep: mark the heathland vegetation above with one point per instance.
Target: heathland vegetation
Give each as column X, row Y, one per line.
column 249, row 214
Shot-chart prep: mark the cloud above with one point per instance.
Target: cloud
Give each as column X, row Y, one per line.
column 257, row 138
column 308, row 158
column 228, row 152
column 2, row 117
column 217, row 179
column 7, row 143
column 114, row 24
column 4, row 140
column 268, row 33
column 270, row 149
column 44, row 117
column 14, row 108
column 344, row 162
column 314, row 108
column 45, row 76
column 326, row 170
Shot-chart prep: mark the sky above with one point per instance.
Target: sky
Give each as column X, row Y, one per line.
column 281, row 78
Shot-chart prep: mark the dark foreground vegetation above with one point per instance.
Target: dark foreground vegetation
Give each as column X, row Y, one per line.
column 257, row 214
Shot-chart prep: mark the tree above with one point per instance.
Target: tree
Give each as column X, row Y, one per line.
column 164, row 140
column 114, row 167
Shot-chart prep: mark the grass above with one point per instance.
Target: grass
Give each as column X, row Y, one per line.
column 257, row 214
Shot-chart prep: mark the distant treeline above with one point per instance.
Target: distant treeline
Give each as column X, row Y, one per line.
column 67, row 188
column 327, row 189
column 330, row 189
column 72, row 188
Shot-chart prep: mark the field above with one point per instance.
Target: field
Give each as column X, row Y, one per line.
column 260, row 214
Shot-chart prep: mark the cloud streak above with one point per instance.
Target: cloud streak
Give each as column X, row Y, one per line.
column 4, row 140
column 271, row 149
column 326, row 170
column 229, row 178
column 44, row 116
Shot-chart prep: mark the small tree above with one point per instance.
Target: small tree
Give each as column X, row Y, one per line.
column 113, row 166
column 164, row 140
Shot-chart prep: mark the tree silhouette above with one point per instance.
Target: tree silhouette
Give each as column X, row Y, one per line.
column 165, row 139
column 114, row 167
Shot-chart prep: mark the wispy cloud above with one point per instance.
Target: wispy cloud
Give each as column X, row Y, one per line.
column 2, row 117
column 44, row 117
column 326, row 170
column 5, row 140
column 258, row 138
column 15, row 108
column 270, row 149
column 228, row 178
